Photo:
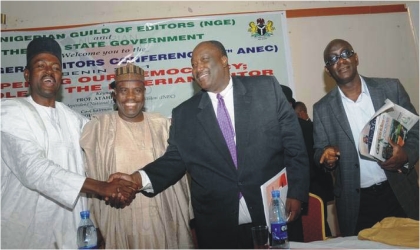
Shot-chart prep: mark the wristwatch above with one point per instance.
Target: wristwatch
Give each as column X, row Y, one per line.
column 405, row 169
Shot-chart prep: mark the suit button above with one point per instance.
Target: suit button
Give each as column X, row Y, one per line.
column 239, row 183
column 357, row 165
column 358, row 190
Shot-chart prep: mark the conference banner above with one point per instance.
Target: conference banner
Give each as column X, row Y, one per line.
column 256, row 44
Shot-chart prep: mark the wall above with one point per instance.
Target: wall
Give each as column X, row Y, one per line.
column 308, row 36
column 383, row 48
column 32, row 14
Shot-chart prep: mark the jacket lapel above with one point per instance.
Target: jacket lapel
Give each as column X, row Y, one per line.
column 242, row 104
column 340, row 114
column 208, row 120
column 376, row 94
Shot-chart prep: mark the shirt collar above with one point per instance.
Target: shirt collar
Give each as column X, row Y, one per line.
column 224, row 92
column 365, row 89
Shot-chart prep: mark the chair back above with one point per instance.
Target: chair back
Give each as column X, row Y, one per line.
column 313, row 222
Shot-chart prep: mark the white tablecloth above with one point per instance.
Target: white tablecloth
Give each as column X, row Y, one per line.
column 350, row 242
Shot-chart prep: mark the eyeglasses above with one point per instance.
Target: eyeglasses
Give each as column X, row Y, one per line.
column 344, row 54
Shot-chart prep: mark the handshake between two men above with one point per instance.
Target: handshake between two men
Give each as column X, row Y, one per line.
column 121, row 189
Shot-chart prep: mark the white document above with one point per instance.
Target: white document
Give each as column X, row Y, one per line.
column 278, row 182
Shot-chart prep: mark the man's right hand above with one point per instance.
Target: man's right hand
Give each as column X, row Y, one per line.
column 120, row 192
column 119, row 189
column 330, row 156
column 115, row 200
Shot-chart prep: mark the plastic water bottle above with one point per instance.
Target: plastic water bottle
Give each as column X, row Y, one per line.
column 278, row 221
column 86, row 233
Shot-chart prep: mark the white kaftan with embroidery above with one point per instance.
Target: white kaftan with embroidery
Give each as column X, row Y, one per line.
column 41, row 174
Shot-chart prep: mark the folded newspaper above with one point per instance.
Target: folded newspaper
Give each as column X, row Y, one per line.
column 392, row 122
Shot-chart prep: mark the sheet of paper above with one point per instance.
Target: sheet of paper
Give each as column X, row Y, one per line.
column 279, row 182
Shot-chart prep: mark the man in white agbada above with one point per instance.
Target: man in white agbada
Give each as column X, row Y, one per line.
column 42, row 170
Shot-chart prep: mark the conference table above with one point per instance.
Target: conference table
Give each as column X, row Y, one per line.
column 350, row 242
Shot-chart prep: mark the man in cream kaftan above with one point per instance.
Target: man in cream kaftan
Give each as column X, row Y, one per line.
column 110, row 144
column 41, row 174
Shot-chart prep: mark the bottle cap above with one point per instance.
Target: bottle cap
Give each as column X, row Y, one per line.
column 275, row 193
column 85, row 214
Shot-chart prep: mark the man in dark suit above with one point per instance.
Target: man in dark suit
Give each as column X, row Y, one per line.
column 225, row 190
column 321, row 182
column 366, row 191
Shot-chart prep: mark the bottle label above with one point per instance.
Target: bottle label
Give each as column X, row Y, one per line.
column 89, row 247
column 279, row 231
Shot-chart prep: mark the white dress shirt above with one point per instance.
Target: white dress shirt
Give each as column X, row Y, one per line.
column 359, row 114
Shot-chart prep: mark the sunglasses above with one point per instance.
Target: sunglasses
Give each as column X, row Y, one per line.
column 344, row 54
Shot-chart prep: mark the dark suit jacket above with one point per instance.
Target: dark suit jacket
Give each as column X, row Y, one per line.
column 267, row 140
column 331, row 127
column 321, row 182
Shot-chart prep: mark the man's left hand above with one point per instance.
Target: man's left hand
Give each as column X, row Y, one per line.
column 398, row 159
column 293, row 209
